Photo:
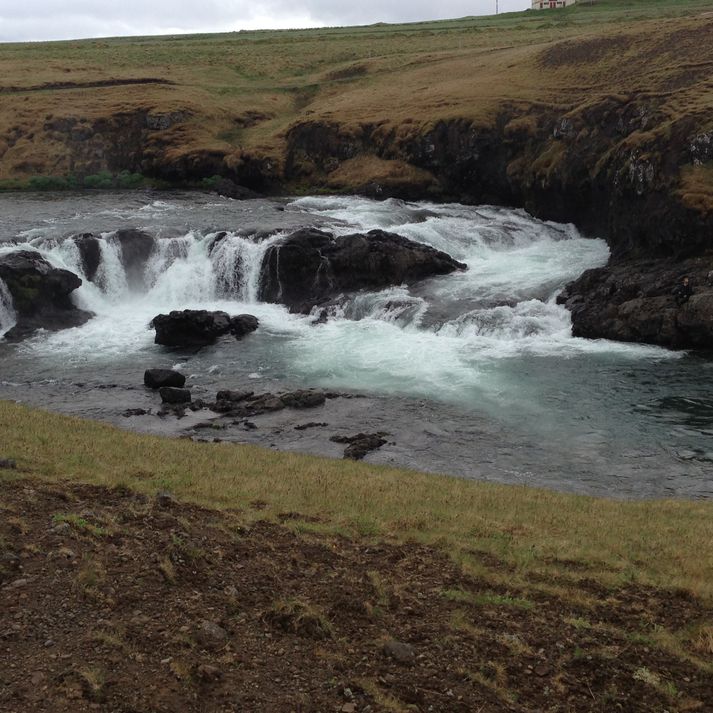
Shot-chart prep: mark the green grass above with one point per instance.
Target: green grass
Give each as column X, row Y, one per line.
column 663, row 543
column 487, row 599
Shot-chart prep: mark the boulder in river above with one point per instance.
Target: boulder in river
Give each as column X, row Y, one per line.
column 41, row 294
column 190, row 328
column 243, row 324
column 156, row 378
column 311, row 266
column 90, row 253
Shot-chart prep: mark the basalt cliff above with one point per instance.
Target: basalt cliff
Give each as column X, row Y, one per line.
column 598, row 117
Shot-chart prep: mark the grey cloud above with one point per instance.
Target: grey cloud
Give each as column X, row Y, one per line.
column 49, row 19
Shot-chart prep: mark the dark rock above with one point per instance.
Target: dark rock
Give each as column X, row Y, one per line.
column 303, row 399
column 88, row 245
column 230, row 189
column 360, row 444
column 190, row 327
column 311, row 424
column 172, row 395
column 233, row 396
column 249, row 405
column 7, row 464
column 211, row 636
column 41, row 294
column 199, row 327
column 135, row 412
column 156, row 378
column 311, row 266
column 631, row 301
column 243, row 324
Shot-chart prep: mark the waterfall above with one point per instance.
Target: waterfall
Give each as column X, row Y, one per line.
column 237, row 262
column 7, row 310
column 192, row 268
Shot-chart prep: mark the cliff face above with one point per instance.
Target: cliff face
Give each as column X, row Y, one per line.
column 575, row 168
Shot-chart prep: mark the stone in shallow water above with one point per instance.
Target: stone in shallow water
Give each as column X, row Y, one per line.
column 191, row 328
column 172, row 395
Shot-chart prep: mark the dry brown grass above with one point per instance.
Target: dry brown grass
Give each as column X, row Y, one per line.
column 468, row 68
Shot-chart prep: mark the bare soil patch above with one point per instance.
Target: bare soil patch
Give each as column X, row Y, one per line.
column 113, row 601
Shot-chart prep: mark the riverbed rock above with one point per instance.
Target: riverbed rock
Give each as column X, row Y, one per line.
column 190, row 328
column 311, row 266
column 359, row 445
column 631, row 301
column 242, row 404
column 41, row 294
column 172, row 395
column 156, row 378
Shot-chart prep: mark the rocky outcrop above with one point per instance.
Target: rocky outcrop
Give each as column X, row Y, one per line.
column 311, row 266
column 41, row 294
column 197, row 328
column 632, row 301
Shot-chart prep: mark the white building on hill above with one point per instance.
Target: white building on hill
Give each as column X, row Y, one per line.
column 551, row 4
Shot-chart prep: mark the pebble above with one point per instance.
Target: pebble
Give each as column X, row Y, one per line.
column 397, row 650
column 210, row 635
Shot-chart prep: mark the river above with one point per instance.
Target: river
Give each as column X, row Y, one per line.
column 473, row 374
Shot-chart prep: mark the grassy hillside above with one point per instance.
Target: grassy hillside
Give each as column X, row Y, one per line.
column 235, row 95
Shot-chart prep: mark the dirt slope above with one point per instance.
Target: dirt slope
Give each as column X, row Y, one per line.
column 112, row 602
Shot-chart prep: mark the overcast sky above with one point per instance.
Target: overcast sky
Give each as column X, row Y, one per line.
column 22, row 20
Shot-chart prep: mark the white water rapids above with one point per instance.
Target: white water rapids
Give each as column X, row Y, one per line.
column 7, row 309
column 488, row 346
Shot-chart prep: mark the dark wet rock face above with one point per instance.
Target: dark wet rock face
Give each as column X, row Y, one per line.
column 311, row 266
column 88, row 246
column 41, row 294
column 156, row 378
column 191, row 328
column 634, row 302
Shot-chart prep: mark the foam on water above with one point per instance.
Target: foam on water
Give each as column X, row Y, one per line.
column 7, row 310
column 502, row 307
